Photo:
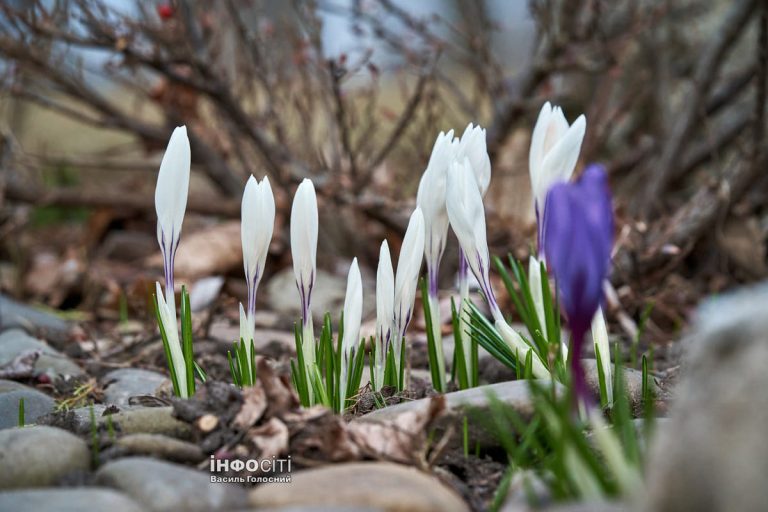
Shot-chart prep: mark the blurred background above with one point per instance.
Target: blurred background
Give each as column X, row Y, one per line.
column 352, row 93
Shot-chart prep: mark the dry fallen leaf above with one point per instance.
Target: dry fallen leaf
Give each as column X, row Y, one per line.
column 330, row 438
column 270, row 439
column 396, row 440
column 281, row 398
column 212, row 251
column 254, row 405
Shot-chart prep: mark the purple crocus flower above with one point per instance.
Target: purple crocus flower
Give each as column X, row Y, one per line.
column 578, row 233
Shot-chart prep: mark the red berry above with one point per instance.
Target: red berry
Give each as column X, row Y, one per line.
column 165, row 11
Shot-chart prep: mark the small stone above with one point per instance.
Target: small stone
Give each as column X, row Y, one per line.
column 207, row 423
column 149, row 420
column 77, row 421
column 379, row 485
column 39, row 456
column 20, row 316
column 124, row 383
column 51, row 361
column 36, row 404
column 161, row 486
column 162, row 447
column 56, row 500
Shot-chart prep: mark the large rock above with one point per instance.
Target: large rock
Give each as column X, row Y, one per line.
column 124, row 383
column 51, row 361
column 379, row 485
column 713, row 455
column 633, row 384
column 474, row 404
column 67, row 500
column 162, row 486
column 36, row 404
column 39, row 456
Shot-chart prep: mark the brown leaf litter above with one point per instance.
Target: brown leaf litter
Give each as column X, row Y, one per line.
column 266, row 421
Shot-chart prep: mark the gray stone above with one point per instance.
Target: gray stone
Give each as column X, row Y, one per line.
column 381, row 485
column 67, row 500
column 712, row 454
column 36, row 404
column 162, row 486
column 149, row 420
column 15, row 314
column 327, row 295
column 51, row 361
column 127, row 382
column 473, row 404
column 159, row 446
column 76, row 420
column 633, row 382
column 39, row 456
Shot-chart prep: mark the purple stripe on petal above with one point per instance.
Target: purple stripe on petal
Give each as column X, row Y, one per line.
column 463, row 266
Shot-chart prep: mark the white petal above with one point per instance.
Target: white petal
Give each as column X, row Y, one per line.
column 536, row 153
column 465, row 210
column 431, row 195
column 168, row 319
column 353, row 308
column 534, row 282
column 559, row 163
column 257, row 225
column 385, row 291
column 173, row 185
column 408, row 266
column 304, row 226
column 556, row 129
column 473, row 147
column 600, row 340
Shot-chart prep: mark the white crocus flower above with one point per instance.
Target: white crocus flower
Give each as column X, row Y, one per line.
column 472, row 146
column 467, row 216
column 304, row 227
column 353, row 311
column 431, row 199
column 555, row 147
column 406, row 278
column 385, row 311
column 171, row 203
column 602, row 345
column 256, row 226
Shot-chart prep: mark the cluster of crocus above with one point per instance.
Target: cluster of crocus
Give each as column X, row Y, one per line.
column 395, row 295
column 578, row 234
column 431, row 198
column 467, row 216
